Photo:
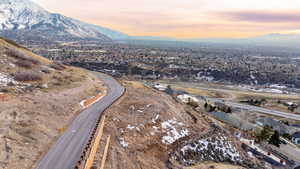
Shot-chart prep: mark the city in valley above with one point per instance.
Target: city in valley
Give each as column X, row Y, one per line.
column 190, row 85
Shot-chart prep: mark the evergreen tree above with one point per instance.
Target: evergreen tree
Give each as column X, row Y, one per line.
column 205, row 105
column 264, row 134
column 275, row 139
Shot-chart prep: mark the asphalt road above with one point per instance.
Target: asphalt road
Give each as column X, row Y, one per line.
column 258, row 109
column 66, row 152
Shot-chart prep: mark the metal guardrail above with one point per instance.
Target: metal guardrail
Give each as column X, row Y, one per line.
column 88, row 147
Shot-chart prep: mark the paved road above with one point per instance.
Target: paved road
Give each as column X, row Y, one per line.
column 66, row 152
column 257, row 109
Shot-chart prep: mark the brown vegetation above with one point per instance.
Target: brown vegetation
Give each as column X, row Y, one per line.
column 28, row 76
column 58, row 66
column 21, row 56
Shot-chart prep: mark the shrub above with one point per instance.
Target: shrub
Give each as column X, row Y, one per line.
column 13, row 43
column 27, row 76
column 21, row 56
column 47, row 71
column 264, row 134
column 24, row 63
column 287, row 136
column 58, row 66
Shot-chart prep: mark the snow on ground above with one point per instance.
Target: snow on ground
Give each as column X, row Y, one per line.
column 6, row 79
column 255, row 89
column 123, row 143
column 82, row 103
column 132, row 127
column 155, row 119
column 278, row 86
column 161, row 87
column 169, row 127
column 185, row 98
column 270, row 90
column 216, row 148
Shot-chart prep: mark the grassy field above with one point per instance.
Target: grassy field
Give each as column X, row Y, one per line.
column 219, row 91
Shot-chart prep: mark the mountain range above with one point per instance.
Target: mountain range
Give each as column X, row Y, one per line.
column 24, row 19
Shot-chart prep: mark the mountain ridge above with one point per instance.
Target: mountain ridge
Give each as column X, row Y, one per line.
column 26, row 18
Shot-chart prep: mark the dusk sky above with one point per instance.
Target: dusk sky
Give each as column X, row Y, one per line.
column 185, row 18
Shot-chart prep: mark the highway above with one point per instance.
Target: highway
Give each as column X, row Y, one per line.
column 66, row 152
column 256, row 109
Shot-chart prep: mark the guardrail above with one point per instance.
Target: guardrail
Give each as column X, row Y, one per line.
column 82, row 162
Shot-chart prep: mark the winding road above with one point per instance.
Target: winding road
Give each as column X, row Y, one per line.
column 66, row 152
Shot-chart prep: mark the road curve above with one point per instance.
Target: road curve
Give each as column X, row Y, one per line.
column 258, row 109
column 66, row 152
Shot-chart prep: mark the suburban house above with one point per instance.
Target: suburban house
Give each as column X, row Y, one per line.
column 276, row 125
column 296, row 138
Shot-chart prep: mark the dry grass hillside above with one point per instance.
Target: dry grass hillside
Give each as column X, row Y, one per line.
column 38, row 100
column 148, row 127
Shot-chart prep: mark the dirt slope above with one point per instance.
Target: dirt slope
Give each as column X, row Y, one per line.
column 38, row 99
column 146, row 127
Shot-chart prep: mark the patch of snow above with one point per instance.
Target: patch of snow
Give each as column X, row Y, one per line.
column 171, row 131
column 6, row 79
column 12, row 65
column 130, row 127
column 155, row 119
column 219, row 144
column 82, row 103
column 123, row 143
column 278, row 86
column 161, row 87
column 271, row 91
column 185, row 98
column 255, row 89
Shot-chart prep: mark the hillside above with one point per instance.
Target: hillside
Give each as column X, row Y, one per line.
column 148, row 128
column 38, row 100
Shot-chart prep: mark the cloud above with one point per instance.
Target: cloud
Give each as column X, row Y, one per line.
column 184, row 18
column 260, row 16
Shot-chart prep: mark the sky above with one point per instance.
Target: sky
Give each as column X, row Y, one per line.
column 185, row 18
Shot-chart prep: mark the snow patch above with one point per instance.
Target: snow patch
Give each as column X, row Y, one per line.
column 212, row 148
column 172, row 133
column 130, row 127
column 155, row 119
column 82, row 103
column 123, row 143
column 6, row 79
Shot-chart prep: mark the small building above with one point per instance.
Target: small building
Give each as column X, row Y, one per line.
column 276, row 125
column 296, row 138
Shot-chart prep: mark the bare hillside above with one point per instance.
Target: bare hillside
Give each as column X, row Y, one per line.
column 38, row 99
column 148, row 128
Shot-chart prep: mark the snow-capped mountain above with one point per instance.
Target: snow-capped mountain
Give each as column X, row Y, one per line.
column 25, row 19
